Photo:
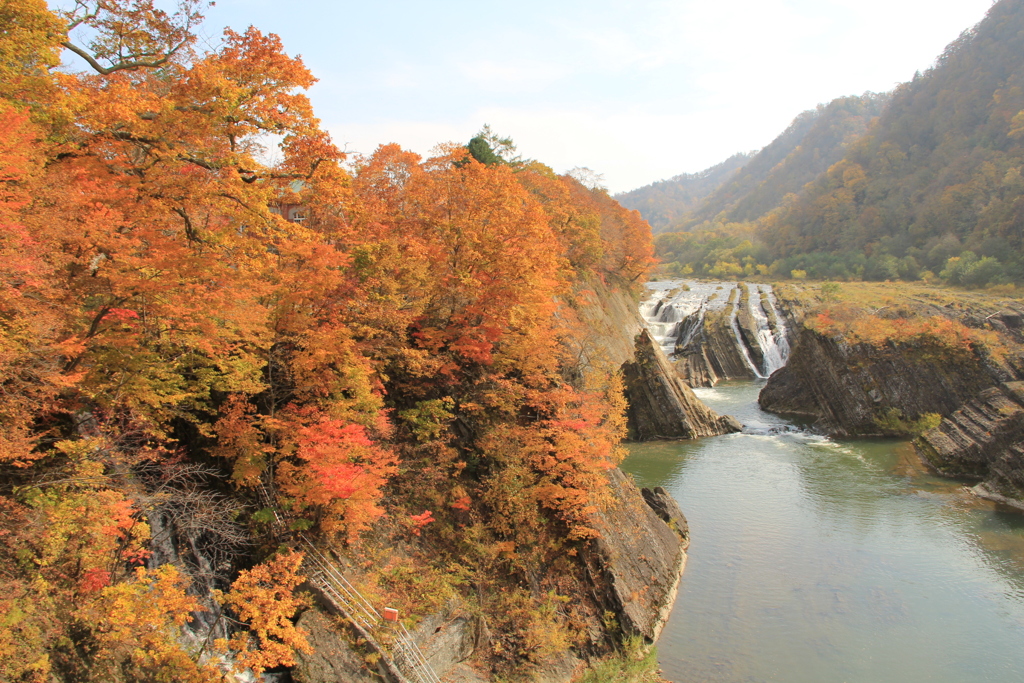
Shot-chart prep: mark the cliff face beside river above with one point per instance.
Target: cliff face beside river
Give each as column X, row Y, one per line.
column 661, row 403
column 942, row 365
column 851, row 389
column 983, row 441
column 629, row 571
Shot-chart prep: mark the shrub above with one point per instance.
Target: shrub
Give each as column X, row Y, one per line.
column 892, row 422
column 633, row 663
column 947, row 339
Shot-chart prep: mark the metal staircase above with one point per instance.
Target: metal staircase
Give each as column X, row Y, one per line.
column 404, row 659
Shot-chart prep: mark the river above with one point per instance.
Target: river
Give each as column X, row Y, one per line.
column 832, row 561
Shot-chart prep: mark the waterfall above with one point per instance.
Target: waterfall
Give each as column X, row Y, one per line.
column 781, row 338
column 661, row 319
column 734, row 322
column 649, row 308
column 674, row 313
column 774, row 347
column 664, row 335
column 691, row 325
column 669, row 314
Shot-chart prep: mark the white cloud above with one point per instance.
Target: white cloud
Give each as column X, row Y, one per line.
column 411, row 134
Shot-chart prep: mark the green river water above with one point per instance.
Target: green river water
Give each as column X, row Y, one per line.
column 832, row 561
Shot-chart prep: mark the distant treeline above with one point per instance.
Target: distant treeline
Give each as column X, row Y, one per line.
column 735, row 251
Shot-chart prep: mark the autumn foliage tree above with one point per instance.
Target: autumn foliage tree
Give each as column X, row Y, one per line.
column 157, row 312
column 265, row 598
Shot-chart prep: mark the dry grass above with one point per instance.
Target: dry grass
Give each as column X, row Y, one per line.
column 879, row 294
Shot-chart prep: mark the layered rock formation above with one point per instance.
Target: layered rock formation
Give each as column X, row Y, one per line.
column 867, row 389
column 661, row 405
column 693, row 364
column 612, row 323
column 639, row 555
column 983, row 441
column 711, row 353
column 717, row 330
column 849, row 390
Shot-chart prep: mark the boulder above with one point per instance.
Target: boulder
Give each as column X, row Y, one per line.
column 447, row 637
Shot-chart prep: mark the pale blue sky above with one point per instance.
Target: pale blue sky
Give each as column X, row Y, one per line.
column 637, row 91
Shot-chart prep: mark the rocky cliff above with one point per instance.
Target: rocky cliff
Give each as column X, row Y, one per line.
column 983, row 441
column 853, row 389
column 912, row 358
column 611, row 323
column 630, row 571
column 334, row 656
column 661, row 405
column 640, row 555
column 711, row 353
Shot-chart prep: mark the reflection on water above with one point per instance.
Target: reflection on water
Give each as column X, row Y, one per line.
column 818, row 560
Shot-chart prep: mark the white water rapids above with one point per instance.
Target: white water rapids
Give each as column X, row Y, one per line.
column 740, row 344
column 774, row 345
column 675, row 308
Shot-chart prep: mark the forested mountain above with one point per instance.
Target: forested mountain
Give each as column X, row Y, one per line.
column 187, row 374
column 940, row 173
column 667, row 201
column 934, row 189
column 814, row 141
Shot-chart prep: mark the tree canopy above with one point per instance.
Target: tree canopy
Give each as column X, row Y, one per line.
column 398, row 360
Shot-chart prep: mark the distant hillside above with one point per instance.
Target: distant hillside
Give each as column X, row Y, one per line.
column 667, row 201
column 933, row 190
column 941, row 173
column 814, row 141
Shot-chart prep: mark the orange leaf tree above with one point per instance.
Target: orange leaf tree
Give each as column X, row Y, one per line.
column 264, row 598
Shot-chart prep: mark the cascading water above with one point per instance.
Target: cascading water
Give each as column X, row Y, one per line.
column 667, row 310
column 734, row 322
column 774, row 347
column 781, row 338
column 691, row 325
column 661, row 319
column 675, row 311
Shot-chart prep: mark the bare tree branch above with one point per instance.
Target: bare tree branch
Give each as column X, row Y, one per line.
column 107, row 70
